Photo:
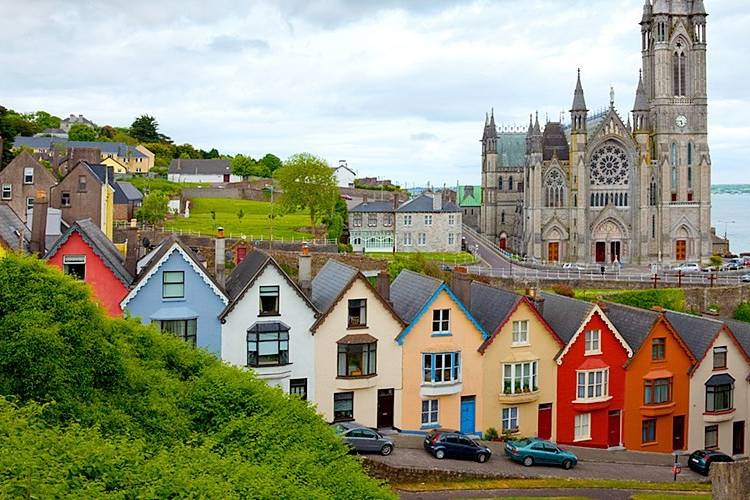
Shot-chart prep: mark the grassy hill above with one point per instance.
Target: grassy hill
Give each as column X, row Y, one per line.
column 92, row 407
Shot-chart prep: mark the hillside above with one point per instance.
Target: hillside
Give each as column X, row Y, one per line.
column 93, row 407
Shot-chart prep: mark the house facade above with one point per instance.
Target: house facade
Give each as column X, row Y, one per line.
column 442, row 367
column 19, row 182
column 427, row 224
column 266, row 325
column 470, row 203
column 175, row 293
column 213, row 171
column 372, row 226
column 86, row 192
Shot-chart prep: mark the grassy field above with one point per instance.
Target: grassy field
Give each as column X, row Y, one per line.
column 148, row 184
column 450, row 257
column 554, row 483
column 255, row 223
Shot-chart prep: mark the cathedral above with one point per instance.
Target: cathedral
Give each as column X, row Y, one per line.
column 606, row 189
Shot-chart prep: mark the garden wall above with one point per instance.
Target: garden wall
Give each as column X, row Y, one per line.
column 730, row 481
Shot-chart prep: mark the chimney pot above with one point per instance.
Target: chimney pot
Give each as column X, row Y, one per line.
column 304, row 270
column 384, row 285
column 39, row 224
column 461, row 285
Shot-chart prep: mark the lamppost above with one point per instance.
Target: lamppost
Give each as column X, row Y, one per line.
column 726, row 225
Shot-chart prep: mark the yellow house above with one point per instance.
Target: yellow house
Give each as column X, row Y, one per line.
column 520, row 372
column 118, row 166
column 357, row 360
column 442, row 368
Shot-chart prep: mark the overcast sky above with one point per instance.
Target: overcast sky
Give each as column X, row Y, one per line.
column 397, row 89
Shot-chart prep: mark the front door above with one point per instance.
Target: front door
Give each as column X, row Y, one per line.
column 738, row 438
column 544, row 421
column 613, row 436
column 614, row 251
column 503, row 243
column 553, row 254
column 680, row 250
column 468, row 414
column 678, row 432
column 385, row 408
column 601, row 251
column 226, row 177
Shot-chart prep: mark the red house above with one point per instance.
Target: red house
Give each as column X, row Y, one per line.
column 85, row 252
column 590, row 373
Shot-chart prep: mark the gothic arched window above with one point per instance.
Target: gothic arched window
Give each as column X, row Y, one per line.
column 690, row 177
column 500, row 183
column 554, row 186
column 674, row 166
column 510, row 183
column 652, row 192
column 690, row 153
column 609, row 165
column 679, row 68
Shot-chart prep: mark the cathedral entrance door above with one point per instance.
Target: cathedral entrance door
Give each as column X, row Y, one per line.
column 680, row 250
column 553, row 251
column 601, row 251
column 503, row 243
column 614, row 251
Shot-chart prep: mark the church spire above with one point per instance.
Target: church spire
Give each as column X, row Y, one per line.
column 641, row 101
column 537, row 129
column 492, row 119
column 579, row 102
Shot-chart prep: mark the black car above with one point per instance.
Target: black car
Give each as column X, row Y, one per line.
column 700, row 460
column 442, row 443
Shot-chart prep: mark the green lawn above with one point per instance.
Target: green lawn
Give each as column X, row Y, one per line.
column 255, row 224
column 148, row 184
column 450, row 257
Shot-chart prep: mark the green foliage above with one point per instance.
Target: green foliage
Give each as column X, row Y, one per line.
column 81, row 132
column 163, row 152
column 187, row 151
column 44, row 120
column 412, row 261
column 335, row 220
column 145, row 128
column 96, row 407
column 716, row 261
column 668, row 298
column 491, row 434
column 271, row 163
column 565, row 290
column 245, row 166
column 308, row 183
column 385, row 187
column 154, row 208
column 742, row 312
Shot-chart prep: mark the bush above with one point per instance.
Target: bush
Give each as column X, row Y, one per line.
column 742, row 312
column 491, row 434
column 562, row 289
column 105, row 407
column 668, row 298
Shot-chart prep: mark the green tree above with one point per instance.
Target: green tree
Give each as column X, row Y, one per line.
column 154, row 208
column 245, row 166
column 145, row 128
column 307, row 182
column 240, row 215
column 81, row 132
column 187, row 151
column 742, row 312
column 210, row 155
column 107, row 133
column 271, row 164
column 335, row 221
column 45, row 120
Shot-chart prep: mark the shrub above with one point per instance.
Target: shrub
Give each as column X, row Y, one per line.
column 562, row 289
column 742, row 312
column 491, row 434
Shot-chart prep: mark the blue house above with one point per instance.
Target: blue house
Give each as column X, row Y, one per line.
column 175, row 292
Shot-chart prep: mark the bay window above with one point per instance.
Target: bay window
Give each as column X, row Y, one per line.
column 268, row 344
column 186, row 329
column 520, row 377
column 593, row 384
column 719, row 397
column 357, row 359
column 441, row 368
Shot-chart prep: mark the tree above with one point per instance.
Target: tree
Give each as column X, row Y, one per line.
column 145, row 128
column 210, row 155
column 240, row 215
column 307, row 183
column 45, row 120
column 271, row 164
column 335, row 220
column 154, row 208
column 245, row 166
column 81, row 132
column 187, row 151
column 107, row 133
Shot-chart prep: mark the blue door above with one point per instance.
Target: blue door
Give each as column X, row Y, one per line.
column 468, row 411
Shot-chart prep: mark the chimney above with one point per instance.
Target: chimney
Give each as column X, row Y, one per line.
column 364, row 198
column 304, row 272
column 131, row 248
column 39, row 223
column 219, row 255
column 437, row 201
column 658, row 309
column 536, row 298
column 383, row 285
column 461, row 285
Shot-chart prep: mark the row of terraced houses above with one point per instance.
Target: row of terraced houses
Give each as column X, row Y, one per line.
column 419, row 353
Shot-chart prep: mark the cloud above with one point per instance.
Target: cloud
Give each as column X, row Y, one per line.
column 424, row 136
column 232, row 44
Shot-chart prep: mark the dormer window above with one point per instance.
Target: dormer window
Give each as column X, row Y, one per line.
column 720, row 358
column 269, row 300
column 593, row 342
column 28, row 175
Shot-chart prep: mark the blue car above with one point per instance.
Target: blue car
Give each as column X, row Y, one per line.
column 537, row 451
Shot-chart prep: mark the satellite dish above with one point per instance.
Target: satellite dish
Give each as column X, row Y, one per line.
column 146, row 242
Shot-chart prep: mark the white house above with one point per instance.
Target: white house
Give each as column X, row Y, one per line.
column 344, row 175
column 214, row 171
column 266, row 325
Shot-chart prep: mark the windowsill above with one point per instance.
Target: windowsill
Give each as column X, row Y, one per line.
column 173, row 299
column 441, row 334
column 430, row 426
column 525, row 344
column 267, row 315
column 339, row 420
column 650, row 443
column 721, row 368
column 269, row 366
column 593, row 353
column 355, row 377
column 578, row 440
column 356, row 327
column 591, row 400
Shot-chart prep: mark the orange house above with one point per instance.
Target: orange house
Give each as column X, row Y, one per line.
column 657, row 380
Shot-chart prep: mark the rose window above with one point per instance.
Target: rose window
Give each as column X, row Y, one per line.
column 609, row 166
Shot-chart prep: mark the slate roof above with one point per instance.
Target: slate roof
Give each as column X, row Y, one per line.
column 634, row 324
column 204, row 167
column 696, row 331
column 410, row 291
column 423, row 203
column 741, row 331
column 11, row 227
column 554, row 143
column 579, row 101
column 469, row 196
column 491, row 306
column 130, row 192
column 114, row 148
column 330, row 283
column 100, row 244
column 373, row 206
column 245, row 272
column 564, row 314
column 511, row 149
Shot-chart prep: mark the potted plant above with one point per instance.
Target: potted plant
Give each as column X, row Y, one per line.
column 491, row 434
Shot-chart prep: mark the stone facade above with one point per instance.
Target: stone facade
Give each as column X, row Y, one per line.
column 21, row 180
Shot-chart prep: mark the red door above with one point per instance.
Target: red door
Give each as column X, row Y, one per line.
column 503, row 243
column 544, row 421
column 241, row 254
column 226, row 177
column 601, row 251
column 613, row 438
column 680, row 250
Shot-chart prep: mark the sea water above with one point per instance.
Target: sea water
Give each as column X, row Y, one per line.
column 730, row 213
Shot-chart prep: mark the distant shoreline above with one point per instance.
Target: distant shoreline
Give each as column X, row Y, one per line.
column 730, row 189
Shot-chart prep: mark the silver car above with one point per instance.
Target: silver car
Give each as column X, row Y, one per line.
column 363, row 439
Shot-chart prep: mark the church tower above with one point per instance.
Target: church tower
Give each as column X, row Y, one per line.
column 488, row 212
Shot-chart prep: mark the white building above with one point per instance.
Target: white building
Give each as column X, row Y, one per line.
column 344, row 175
column 214, row 171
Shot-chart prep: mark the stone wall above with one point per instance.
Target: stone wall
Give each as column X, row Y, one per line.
column 393, row 474
column 726, row 297
column 288, row 261
column 730, row 481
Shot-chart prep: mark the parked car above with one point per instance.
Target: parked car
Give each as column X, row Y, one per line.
column 688, row 267
column 445, row 443
column 700, row 460
column 363, row 439
column 537, row 451
column 745, row 278
column 733, row 265
column 746, row 260
column 570, row 266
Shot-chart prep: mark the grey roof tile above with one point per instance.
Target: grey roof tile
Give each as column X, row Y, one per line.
column 632, row 323
column 696, row 331
column 410, row 292
column 491, row 306
column 330, row 282
column 564, row 314
column 131, row 192
column 374, row 206
column 11, row 228
column 423, row 203
column 741, row 331
column 206, row 167
column 245, row 272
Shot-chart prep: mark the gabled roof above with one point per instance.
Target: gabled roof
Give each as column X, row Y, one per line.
column 634, row 324
column 741, row 331
column 127, row 192
column 244, row 275
column 115, row 148
column 101, row 246
column 697, row 332
column 564, row 314
column 469, row 196
column 374, row 206
column 423, row 203
column 169, row 245
column 410, row 291
column 204, row 167
column 554, row 142
column 11, row 229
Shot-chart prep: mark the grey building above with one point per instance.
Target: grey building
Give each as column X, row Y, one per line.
column 372, row 226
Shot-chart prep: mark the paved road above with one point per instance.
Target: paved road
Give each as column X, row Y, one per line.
column 486, row 252
column 593, row 493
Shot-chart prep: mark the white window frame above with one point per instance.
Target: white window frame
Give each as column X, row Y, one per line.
column 508, row 416
column 428, row 220
column 451, row 238
column 372, row 220
column 407, row 239
column 430, row 412
column 407, row 220
column 356, row 220
column 516, row 374
column 443, row 322
column 28, row 172
column 592, row 342
column 582, row 427
column 29, row 203
column 451, row 219
column 520, row 333
column 422, row 239
column 7, row 188
column 588, row 384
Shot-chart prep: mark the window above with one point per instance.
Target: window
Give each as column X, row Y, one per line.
column 430, row 412
column 81, row 183
column 372, row 220
column 520, row 377
column 357, row 220
column 593, row 384
column 422, row 239
column 510, row 419
column 65, row 199
column 690, row 153
column 269, row 300
column 510, row 183
column 690, row 178
column 173, row 285
column 520, row 332
column 428, row 220
column 500, row 183
column 719, row 397
column 658, row 349
column 657, row 391
column 451, row 238
column 678, row 72
column 674, row 166
column 711, row 436
column 502, row 217
column 720, row 358
column 343, row 406
column 554, row 189
column 298, row 386
column 593, row 342
column 75, row 265
column 357, row 360
column 28, row 175
column 648, row 430
column 407, row 220
column 186, row 329
column 29, row 203
column 451, row 219
column 652, row 192
column 7, row 191
column 357, row 313
column 441, row 321
column 582, row 424
column 407, row 239
column 267, row 348
column 653, row 226
column 441, row 368
column 387, row 220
